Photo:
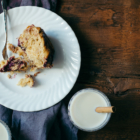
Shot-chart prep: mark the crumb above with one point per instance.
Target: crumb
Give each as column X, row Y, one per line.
column 14, row 76
column 19, row 71
column 9, row 76
column 26, row 75
column 28, row 80
column 17, row 50
column 13, row 55
column 36, row 73
column 12, row 48
column 3, row 63
column 11, row 72
column 33, row 69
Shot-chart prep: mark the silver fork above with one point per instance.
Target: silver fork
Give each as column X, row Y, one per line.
column 4, row 7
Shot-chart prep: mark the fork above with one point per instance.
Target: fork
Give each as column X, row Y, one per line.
column 4, row 7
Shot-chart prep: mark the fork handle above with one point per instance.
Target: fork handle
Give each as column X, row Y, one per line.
column 4, row 4
column 4, row 7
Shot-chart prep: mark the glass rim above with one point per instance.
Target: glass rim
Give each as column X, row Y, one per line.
column 108, row 114
column 7, row 129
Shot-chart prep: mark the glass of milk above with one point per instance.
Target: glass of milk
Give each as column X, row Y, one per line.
column 81, row 109
column 5, row 133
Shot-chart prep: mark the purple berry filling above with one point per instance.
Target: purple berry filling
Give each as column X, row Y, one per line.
column 12, row 62
column 19, row 44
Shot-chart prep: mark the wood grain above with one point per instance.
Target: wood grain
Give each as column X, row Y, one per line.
column 108, row 32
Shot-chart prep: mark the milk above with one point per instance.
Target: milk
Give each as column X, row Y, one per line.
column 3, row 132
column 82, row 109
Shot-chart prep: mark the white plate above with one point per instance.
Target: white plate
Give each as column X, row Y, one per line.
column 52, row 85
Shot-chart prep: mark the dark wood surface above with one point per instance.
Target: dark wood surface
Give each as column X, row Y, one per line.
column 108, row 32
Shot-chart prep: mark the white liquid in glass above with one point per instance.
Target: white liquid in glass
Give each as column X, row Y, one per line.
column 3, row 132
column 82, row 110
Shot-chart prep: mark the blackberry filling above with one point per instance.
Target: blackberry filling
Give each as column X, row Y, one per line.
column 13, row 64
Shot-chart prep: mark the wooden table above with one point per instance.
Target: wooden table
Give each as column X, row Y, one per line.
column 109, row 36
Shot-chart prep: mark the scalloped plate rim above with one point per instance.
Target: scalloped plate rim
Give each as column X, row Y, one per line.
column 74, row 80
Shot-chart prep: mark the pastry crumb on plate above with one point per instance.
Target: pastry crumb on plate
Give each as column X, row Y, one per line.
column 36, row 73
column 9, row 76
column 11, row 73
column 12, row 48
column 27, row 81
